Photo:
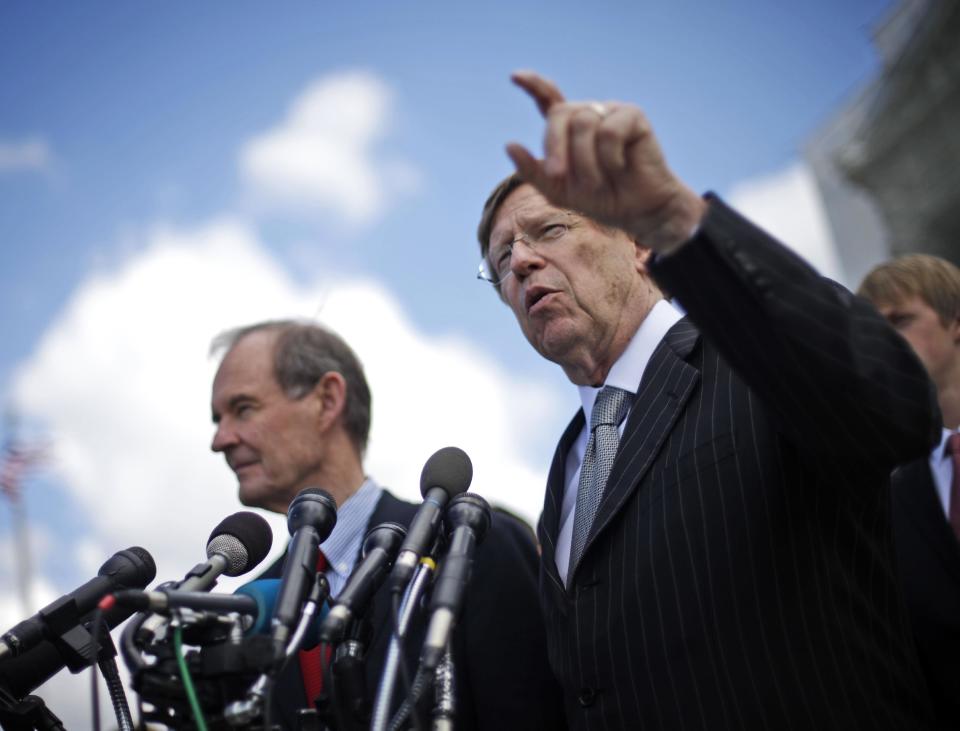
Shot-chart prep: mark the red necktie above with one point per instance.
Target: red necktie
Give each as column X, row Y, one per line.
column 313, row 661
column 953, row 446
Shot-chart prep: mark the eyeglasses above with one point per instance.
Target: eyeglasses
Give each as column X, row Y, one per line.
column 495, row 267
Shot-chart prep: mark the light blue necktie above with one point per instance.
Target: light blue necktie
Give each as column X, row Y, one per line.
column 609, row 410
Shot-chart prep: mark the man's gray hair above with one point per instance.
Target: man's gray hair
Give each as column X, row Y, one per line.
column 496, row 198
column 303, row 353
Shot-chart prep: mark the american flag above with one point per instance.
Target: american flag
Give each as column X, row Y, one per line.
column 17, row 460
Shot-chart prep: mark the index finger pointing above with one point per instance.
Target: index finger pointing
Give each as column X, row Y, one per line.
column 545, row 93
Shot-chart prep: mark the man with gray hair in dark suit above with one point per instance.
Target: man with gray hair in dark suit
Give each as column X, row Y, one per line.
column 716, row 542
column 292, row 410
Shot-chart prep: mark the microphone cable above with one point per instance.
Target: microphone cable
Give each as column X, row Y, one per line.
column 188, row 687
column 420, row 685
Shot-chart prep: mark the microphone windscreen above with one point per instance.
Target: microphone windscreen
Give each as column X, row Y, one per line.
column 314, row 508
column 132, row 568
column 264, row 592
column 449, row 469
column 253, row 534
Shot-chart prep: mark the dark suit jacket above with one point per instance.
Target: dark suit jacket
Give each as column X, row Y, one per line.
column 928, row 557
column 502, row 677
column 740, row 570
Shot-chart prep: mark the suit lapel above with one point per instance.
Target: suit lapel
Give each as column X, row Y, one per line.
column 549, row 527
column 916, row 496
column 667, row 382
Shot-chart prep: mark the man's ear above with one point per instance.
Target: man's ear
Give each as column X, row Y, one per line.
column 642, row 256
column 955, row 330
column 330, row 395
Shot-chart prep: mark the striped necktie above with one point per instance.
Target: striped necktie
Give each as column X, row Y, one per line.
column 609, row 410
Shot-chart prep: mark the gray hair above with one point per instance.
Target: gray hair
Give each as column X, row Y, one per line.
column 496, row 198
column 303, row 353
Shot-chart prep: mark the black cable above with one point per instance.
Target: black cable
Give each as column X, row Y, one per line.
column 128, row 646
column 421, row 683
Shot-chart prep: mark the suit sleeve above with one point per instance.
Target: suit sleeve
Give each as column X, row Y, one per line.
column 836, row 377
column 504, row 638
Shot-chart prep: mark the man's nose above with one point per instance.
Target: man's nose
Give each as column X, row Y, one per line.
column 524, row 258
column 223, row 438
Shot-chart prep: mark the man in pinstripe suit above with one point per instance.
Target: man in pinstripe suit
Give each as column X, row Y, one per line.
column 737, row 568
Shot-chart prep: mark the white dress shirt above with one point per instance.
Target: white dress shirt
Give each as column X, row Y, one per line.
column 626, row 374
column 941, row 465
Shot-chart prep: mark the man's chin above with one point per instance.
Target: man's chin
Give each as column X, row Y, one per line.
column 554, row 342
column 254, row 495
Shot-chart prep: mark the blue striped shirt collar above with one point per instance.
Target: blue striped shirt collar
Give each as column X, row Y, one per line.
column 342, row 547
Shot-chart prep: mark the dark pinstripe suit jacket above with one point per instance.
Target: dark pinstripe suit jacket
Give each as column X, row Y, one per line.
column 928, row 557
column 740, row 570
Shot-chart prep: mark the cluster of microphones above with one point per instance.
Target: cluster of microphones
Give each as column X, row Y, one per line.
column 211, row 660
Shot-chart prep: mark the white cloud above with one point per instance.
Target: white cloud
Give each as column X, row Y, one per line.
column 322, row 155
column 787, row 204
column 30, row 155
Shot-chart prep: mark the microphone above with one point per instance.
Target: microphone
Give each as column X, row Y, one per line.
column 447, row 473
column 310, row 519
column 236, row 545
column 379, row 550
column 201, row 601
column 28, row 663
column 263, row 593
column 131, row 568
column 469, row 518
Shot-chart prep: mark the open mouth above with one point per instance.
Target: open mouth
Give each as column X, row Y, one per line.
column 534, row 296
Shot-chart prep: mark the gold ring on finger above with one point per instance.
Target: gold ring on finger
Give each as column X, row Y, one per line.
column 599, row 108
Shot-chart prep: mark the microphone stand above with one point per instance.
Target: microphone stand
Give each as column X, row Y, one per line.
column 106, row 653
column 121, row 709
column 388, row 679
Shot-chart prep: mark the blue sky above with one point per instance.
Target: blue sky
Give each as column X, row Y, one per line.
column 157, row 185
column 144, row 107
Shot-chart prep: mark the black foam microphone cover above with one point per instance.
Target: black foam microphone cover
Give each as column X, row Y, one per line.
column 449, row 469
column 251, row 531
